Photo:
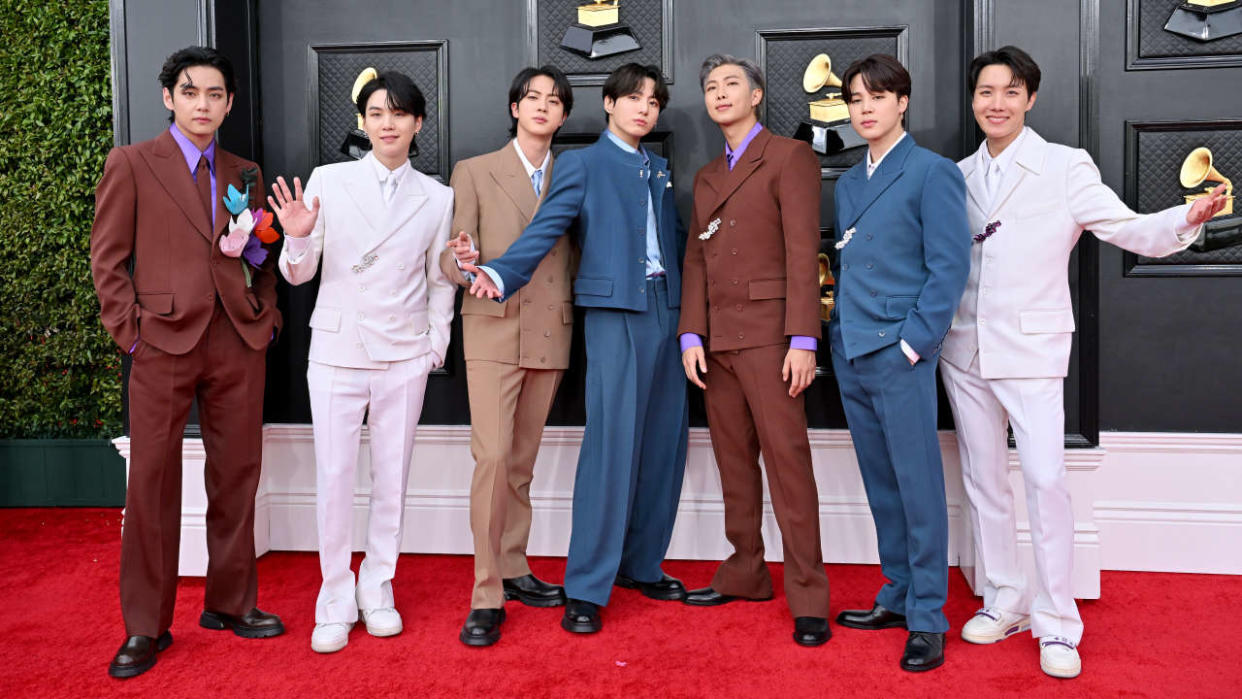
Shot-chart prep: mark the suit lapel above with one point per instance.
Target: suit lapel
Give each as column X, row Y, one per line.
column 170, row 170
column 510, row 175
column 656, row 182
column 889, row 171
column 714, row 175
column 1028, row 160
column 228, row 172
column 750, row 161
column 1013, row 177
column 363, row 188
column 406, row 202
column 976, row 188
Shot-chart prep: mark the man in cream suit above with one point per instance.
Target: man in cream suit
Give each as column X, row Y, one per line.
column 516, row 352
column 381, row 324
column 1006, row 355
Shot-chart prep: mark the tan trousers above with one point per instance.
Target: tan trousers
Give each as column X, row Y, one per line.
column 508, row 408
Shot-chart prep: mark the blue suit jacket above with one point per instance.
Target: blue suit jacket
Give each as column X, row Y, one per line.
column 600, row 188
column 903, row 271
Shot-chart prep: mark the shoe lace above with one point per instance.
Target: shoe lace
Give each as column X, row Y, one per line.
column 1056, row 641
column 989, row 613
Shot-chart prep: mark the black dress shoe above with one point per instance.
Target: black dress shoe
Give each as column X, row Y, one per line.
column 666, row 588
column 137, row 655
column 924, row 651
column 877, row 618
column 709, row 597
column 482, row 627
column 533, row 592
column 252, row 624
column 581, row 617
column 811, row 631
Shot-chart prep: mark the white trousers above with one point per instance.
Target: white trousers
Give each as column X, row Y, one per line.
column 392, row 400
column 1034, row 408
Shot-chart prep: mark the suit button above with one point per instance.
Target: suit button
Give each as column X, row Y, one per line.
column 732, row 223
column 844, row 266
column 734, row 281
column 738, row 307
column 543, row 360
column 741, row 336
column 551, row 279
column 391, row 318
column 734, row 251
column 715, row 308
column 870, row 266
column 525, row 302
column 547, row 333
column 642, row 259
column 882, row 333
column 869, row 236
column 362, row 287
column 873, row 293
column 553, row 253
column 401, row 266
column 362, row 316
column 550, row 306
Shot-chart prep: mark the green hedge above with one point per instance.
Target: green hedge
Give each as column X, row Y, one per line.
column 59, row 371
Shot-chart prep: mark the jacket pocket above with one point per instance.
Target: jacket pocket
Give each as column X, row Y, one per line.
column 472, row 306
column 160, row 303
column 1057, row 320
column 326, row 319
column 593, row 286
column 567, row 313
column 899, row 306
column 767, row 289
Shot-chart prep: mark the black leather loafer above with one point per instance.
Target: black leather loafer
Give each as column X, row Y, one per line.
column 533, row 592
column 876, row 618
column 666, row 588
column 137, row 655
column 482, row 627
column 811, row 631
column 924, row 651
column 710, row 597
column 581, row 617
column 252, row 624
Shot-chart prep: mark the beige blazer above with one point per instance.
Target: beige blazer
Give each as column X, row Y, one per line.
column 533, row 328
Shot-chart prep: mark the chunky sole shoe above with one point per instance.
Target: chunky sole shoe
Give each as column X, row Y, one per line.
column 983, row 630
column 219, row 622
column 122, row 672
column 481, row 641
column 330, row 642
column 532, row 601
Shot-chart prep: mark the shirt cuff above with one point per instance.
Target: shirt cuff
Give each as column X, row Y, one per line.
column 297, row 247
column 500, row 284
column 470, row 276
column 1186, row 232
column 907, row 350
column 689, row 340
column 803, row 342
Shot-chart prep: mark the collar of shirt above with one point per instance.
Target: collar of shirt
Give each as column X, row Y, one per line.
column 530, row 169
column 191, row 151
column 628, row 148
column 731, row 155
column 383, row 173
column 872, row 167
column 1006, row 157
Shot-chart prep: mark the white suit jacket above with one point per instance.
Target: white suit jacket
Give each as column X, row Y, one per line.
column 382, row 296
column 1016, row 312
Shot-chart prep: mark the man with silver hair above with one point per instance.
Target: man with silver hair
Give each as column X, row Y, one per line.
column 750, row 313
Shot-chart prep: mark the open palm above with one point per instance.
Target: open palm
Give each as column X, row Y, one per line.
column 295, row 217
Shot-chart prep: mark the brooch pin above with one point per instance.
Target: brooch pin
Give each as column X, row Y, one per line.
column 988, row 230
column 711, row 230
column 367, row 260
column 845, row 239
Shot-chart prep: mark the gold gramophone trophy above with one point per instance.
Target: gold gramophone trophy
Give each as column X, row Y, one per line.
column 357, row 143
column 1206, row 20
column 599, row 31
column 828, row 130
column 826, row 301
column 1225, row 229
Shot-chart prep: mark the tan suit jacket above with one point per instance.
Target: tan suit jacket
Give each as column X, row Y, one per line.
column 494, row 202
column 755, row 280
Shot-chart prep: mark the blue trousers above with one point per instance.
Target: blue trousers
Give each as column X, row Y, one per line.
column 891, row 410
column 634, row 447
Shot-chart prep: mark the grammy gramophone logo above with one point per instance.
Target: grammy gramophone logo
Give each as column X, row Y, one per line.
column 828, row 128
column 599, row 32
column 1206, row 20
column 1225, row 228
column 357, row 143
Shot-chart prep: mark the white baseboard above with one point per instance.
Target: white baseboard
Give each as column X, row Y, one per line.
column 1142, row 501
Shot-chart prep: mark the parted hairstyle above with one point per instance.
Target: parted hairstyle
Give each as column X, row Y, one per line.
column 880, row 73
column 520, row 87
column 402, row 95
column 628, row 79
column 1024, row 68
column 754, row 74
column 190, row 57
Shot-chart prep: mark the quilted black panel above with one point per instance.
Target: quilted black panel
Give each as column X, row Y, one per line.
column 1155, row 42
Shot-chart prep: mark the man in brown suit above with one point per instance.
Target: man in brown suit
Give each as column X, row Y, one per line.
column 751, row 291
column 196, row 325
column 516, row 352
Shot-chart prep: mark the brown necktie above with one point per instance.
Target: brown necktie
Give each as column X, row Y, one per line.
column 202, row 178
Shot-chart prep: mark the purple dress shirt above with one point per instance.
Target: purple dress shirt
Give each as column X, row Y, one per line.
column 732, row 155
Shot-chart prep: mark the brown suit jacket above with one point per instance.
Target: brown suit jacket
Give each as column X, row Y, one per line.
column 147, row 209
column 493, row 203
column 755, row 281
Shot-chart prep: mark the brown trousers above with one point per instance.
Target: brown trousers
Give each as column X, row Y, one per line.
column 508, row 408
column 749, row 410
column 227, row 377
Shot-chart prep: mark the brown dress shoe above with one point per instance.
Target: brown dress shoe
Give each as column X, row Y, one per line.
column 137, row 655
column 253, row 624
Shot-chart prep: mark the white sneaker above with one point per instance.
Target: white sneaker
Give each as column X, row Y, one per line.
column 1058, row 657
column 329, row 638
column 991, row 625
column 384, row 621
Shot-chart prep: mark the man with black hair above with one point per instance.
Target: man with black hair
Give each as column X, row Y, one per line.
column 1007, row 354
column 629, row 281
column 380, row 325
column 516, row 352
column 196, row 325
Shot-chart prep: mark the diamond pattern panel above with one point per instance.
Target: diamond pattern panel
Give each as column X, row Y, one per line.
column 1160, row 156
column 337, row 115
column 786, row 58
column 645, row 19
column 1155, row 42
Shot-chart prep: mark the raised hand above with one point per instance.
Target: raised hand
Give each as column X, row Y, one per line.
column 295, row 217
column 693, row 361
column 462, row 247
column 483, row 286
column 1205, row 208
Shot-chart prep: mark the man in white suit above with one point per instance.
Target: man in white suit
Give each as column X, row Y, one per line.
column 381, row 324
column 1006, row 356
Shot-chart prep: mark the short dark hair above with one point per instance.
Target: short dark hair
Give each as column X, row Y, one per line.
column 1024, row 68
column 402, row 95
column 628, row 79
column 191, row 56
column 880, row 73
column 520, row 87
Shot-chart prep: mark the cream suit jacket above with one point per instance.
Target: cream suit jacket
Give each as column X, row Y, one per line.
column 382, row 296
column 1016, row 312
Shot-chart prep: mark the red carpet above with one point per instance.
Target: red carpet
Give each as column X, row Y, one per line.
column 1158, row 635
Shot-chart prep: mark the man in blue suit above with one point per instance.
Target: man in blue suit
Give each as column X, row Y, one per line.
column 903, row 254
column 629, row 281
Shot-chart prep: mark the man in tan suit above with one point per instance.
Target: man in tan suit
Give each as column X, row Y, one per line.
column 516, row 352
column 196, row 325
column 751, row 292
